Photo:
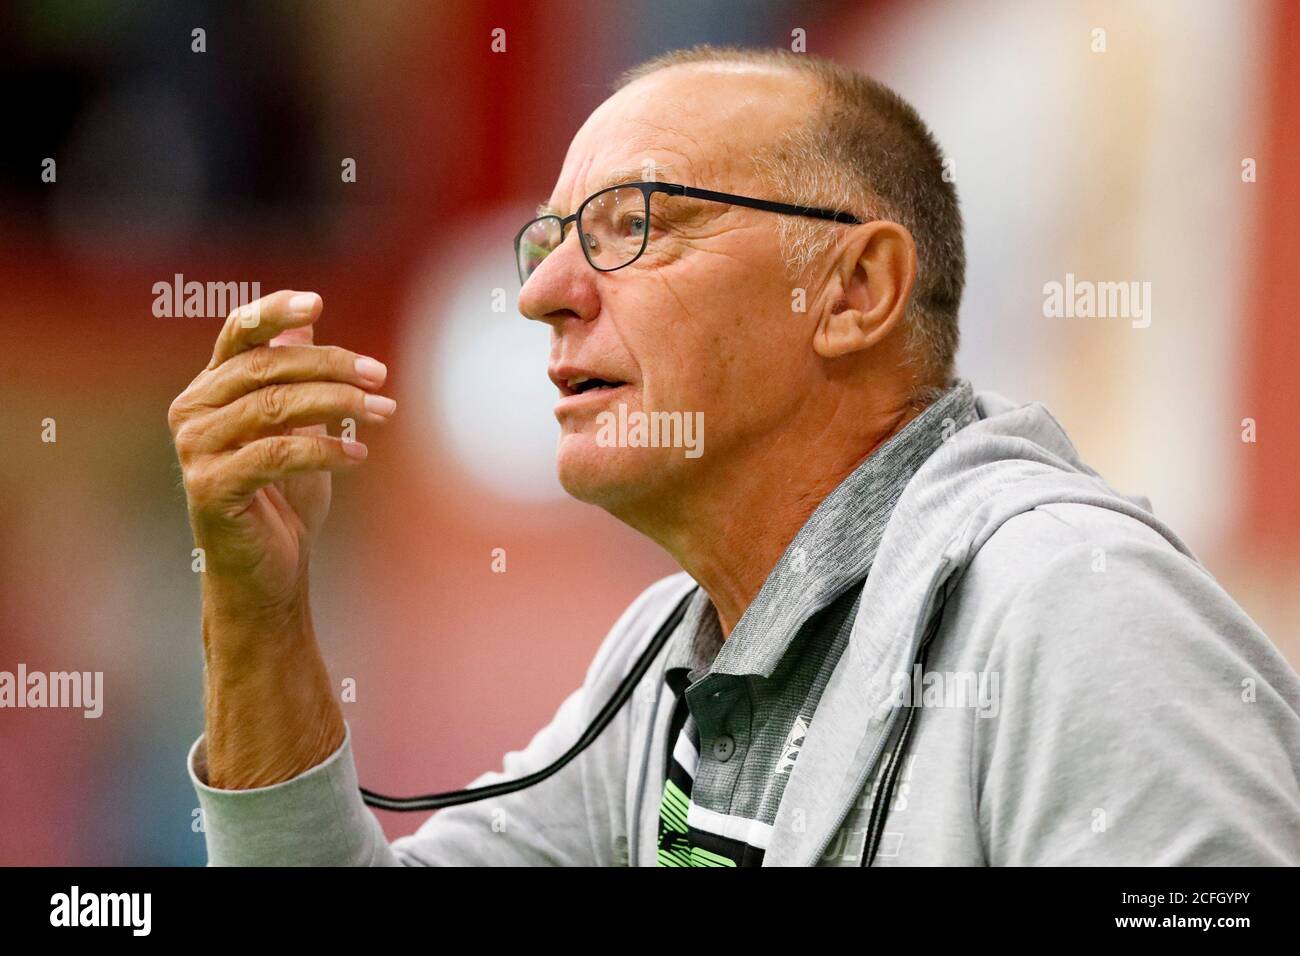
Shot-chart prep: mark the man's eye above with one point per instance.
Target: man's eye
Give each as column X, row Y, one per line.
column 635, row 225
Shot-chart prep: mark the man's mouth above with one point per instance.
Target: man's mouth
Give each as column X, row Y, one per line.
column 582, row 384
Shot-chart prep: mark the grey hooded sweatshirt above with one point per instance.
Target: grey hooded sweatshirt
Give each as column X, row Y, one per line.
column 1039, row 673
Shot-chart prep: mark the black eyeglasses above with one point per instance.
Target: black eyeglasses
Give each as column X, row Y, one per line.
column 614, row 224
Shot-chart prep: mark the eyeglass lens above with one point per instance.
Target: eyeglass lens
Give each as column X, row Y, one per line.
column 614, row 225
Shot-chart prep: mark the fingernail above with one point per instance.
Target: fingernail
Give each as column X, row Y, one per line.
column 354, row 449
column 380, row 404
column 371, row 369
column 303, row 303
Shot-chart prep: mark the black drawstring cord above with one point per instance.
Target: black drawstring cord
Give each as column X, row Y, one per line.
column 885, row 792
column 451, row 798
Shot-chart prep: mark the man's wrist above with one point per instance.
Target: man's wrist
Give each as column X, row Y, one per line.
column 269, row 726
column 270, row 710
column 242, row 630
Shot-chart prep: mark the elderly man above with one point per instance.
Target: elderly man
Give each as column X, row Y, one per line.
column 912, row 626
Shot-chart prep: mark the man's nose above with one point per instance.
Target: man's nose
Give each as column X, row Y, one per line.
column 562, row 287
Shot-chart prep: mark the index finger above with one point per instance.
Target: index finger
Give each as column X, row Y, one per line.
column 262, row 320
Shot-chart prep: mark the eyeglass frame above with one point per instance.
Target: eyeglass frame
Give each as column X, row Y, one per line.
column 648, row 189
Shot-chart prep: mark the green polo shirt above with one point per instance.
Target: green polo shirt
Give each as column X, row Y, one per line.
column 744, row 704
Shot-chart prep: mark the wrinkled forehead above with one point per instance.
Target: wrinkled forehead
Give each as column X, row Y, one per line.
column 699, row 125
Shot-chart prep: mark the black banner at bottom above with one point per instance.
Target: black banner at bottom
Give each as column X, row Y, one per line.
column 433, row 906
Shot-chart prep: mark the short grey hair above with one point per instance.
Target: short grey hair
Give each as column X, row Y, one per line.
column 866, row 150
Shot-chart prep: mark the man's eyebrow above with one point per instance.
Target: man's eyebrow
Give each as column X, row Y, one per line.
column 616, row 177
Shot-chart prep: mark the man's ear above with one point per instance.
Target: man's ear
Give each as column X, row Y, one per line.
column 869, row 289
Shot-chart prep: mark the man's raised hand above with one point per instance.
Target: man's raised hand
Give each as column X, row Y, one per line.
column 251, row 433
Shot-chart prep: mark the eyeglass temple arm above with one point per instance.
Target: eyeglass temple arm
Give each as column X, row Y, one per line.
column 764, row 204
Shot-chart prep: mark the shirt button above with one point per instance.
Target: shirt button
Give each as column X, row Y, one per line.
column 723, row 748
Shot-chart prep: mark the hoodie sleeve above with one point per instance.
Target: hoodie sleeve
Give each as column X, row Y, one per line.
column 1146, row 721
column 319, row 819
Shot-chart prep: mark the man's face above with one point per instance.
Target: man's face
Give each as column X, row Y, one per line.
column 703, row 321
